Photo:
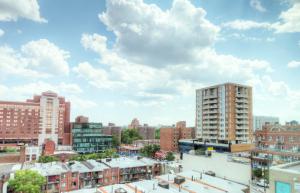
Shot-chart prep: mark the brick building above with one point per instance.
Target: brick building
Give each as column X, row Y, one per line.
column 74, row 175
column 224, row 114
column 46, row 116
column 145, row 131
column 169, row 136
column 113, row 130
column 278, row 138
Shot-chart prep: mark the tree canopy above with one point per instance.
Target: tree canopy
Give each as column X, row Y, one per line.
column 170, row 156
column 109, row 153
column 27, row 181
column 47, row 158
column 157, row 134
column 149, row 150
column 130, row 135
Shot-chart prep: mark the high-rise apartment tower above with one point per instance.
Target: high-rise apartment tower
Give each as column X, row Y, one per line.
column 224, row 114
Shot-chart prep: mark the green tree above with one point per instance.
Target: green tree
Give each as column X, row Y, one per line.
column 149, row 150
column 46, row 159
column 115, row 141
column 157, row 134
column 130, row 135
column 170, row 156
column 27, row 181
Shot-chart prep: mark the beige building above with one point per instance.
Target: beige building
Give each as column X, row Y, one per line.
column 224, row 113
column 285, row 178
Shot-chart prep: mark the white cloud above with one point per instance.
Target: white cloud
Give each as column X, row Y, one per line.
column 39, row 87
column 141, row 65
column 256, row 4
column 12, row 10
column 2, row 32
column 46, row 56
column 146, row 34
column 294, row 64
column 288, row 22
column 81, row 103
column 39, row 58
column 247, row 25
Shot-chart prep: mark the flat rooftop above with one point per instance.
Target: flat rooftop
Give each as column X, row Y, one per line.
column 194, row 182
column 293, row 167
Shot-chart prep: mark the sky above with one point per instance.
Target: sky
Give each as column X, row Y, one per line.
column 115, row 60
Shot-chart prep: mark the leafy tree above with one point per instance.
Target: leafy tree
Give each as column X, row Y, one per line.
column 157, row 134
column 9, row 149
column 149, row 150
column 257, row 172
column 46, row 159
column 130, row 135
column 27, row 181
column 115, row 141
column 108, row 153
column 170, row 156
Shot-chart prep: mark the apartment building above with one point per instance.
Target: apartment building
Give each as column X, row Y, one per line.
column 89, row 137
column 74, row 175
column 260, row 121
column 145, row 131
column 46, row 116
column 169, row 136
column 112, row 129
column 278, row 138
column 224, row 113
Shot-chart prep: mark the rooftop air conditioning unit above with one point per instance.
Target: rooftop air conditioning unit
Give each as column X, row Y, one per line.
column 163, row 184
column 179, row 180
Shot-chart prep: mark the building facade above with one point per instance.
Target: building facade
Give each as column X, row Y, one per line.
column 285, row 178
column 224, row 113
column 74, row 175
column 278, row 138
column 260, row 121
column 112, row 129
column 46, row 116
column 90, row 138
column 170, row 136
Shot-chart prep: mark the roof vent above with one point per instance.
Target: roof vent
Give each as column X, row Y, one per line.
column 163, row 184
column 179, row 180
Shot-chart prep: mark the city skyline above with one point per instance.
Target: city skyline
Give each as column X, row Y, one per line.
column 118, row 60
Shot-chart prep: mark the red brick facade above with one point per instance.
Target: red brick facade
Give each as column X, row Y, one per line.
column 20, row 121
column 169, row 136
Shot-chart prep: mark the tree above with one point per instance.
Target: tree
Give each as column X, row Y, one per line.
column 47, row 158
column 130, row 135
column 149, row 150
column 157, row 134
column 115, row 141
column 27, row 181
column 170, row 156
column 108, row 153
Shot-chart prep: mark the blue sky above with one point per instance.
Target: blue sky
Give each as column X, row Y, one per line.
column 116, row 60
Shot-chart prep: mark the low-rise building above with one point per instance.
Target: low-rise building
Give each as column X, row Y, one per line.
column 90, row 137
column 75, row 175
column 185, row 182
column 285, row 178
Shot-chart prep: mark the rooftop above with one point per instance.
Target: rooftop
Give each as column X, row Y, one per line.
column 293, row 167
column 124, row 162
column 193, row 183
